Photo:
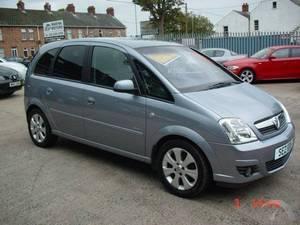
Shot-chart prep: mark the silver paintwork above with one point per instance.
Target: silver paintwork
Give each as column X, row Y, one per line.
column 180, row 169
column 131, row 125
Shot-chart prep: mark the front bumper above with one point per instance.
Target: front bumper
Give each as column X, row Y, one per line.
column 259, row 156
column 5, row 88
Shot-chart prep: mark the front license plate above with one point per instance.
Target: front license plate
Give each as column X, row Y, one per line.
column 15, row 84
column 283, row 150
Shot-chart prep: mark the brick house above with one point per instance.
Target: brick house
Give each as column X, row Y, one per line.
column 21, row 30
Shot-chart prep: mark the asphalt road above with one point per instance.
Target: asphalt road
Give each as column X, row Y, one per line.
column 75, row 184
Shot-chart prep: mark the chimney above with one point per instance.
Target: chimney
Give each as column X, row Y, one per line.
column 21, row 6
column 91, row 10
column 70, row 8
column 245, row 7
column 110, row 11
column 47, row 7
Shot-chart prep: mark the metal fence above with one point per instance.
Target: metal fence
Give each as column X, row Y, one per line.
column 242, row 43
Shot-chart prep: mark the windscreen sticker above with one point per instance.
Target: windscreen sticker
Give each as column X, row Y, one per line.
column 163, row 58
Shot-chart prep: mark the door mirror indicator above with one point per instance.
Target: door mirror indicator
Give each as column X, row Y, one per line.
column 126, row 86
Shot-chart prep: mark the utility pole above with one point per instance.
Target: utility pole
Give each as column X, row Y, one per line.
column 192, row 22
column 186, row 18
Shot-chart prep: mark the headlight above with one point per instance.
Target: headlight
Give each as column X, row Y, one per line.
column 237, row 131
column 286, row 114
column 2, row 78
column 232, row 67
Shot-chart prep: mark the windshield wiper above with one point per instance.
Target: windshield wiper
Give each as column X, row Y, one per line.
column 222, row 84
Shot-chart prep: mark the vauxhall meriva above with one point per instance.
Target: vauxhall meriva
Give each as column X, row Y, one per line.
column 161, row 103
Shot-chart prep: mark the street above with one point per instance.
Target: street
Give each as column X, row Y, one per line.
column 71, row 183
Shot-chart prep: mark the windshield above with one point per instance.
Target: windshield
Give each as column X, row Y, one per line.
column 261, row 54
column 186, row 69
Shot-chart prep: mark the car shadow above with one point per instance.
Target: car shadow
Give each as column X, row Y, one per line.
column 12, row 96
column 277, row 81
column 215, row 192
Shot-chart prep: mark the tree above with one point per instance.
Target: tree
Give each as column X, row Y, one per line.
column 162, row 11
column 196, row 24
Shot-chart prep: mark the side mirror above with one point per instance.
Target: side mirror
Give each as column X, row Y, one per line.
column 126, row 86
column 272, row 57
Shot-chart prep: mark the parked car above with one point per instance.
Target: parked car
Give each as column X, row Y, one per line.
column 10, row 81
column 160, row 103
column 274, row 63
column 221, row 55
column 24, row 61
column 20, row 68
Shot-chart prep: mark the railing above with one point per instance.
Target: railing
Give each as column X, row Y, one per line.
column 242, row 43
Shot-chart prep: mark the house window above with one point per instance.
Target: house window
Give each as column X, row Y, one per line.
column 225, row 29
column 30, row 34
column 69, row 34
column 274, row 5
column 79, row 33
column 23, row 34
column 14, row 52
column 100, row 33
column 1, row 37
column 32, row 52
column 25, row 52
column 256, row 25
column 1, row 52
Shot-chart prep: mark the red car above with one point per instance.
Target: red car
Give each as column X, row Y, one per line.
column 277, row 62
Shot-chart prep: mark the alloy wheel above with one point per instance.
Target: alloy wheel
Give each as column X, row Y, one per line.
column 38, row 128
column 247, row 76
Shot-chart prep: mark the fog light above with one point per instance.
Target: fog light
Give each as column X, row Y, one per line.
column 247, row 171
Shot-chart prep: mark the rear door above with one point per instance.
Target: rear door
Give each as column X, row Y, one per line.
column 112, row 119
column 295, row 61
column 62, row 90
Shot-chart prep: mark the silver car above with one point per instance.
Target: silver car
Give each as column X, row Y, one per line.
column 222, row 55
column 160, row 103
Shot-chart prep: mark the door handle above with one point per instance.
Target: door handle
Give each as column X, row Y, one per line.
column 91, row 101
column 49, row 91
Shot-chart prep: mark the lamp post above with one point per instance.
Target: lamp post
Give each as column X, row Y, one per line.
column 135, row 13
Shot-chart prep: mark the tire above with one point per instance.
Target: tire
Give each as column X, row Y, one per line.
column 248, row 76
column 192, row 174
column 39, row 129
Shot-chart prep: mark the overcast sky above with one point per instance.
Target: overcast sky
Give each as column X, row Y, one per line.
column 213, row 9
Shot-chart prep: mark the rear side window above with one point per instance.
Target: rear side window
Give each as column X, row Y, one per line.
column 69, row 63
column 110, row 65
column 44, row 63
column 154, row 87
column 281, row 53
column 296, row 52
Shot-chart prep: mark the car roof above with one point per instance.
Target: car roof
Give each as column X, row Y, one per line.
column 118, row 41
column 284, row 46
column 223, row 49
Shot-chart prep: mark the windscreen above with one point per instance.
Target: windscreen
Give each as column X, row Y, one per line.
column 186, row 69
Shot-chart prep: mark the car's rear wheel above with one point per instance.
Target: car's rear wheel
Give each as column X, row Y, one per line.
column 183, row 169
column 39, row 129
column 247, row 76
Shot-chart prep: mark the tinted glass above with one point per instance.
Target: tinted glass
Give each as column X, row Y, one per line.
column 69, row 63
column 153, row 85
column 45, row 62
column 187, row 70
column 295, row 52
column 282, row 53
column 110, row 65
column 219, row 53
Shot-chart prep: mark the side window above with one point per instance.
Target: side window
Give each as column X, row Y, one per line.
column 296, row 52
column 44, row 63
column 281, row 53
column 209, row 53
column 219, row 53
column 69, row 63
column 153, row 85
column 110, row 65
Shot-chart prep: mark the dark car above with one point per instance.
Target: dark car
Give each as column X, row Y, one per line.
column 10, row 81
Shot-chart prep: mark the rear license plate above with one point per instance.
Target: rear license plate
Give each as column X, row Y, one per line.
column 15, row 84
column 283, row 150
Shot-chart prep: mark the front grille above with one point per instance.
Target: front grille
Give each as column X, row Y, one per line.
column 272, row 124
column 274, row 164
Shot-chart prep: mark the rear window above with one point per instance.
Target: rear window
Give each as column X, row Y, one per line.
column 69, row 63
column 44, row 63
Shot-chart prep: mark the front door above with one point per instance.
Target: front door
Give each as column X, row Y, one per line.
column 112, row 119
column 280, row 64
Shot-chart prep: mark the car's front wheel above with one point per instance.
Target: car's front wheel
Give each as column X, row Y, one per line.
column 247, row 76
column 39, row 129
column 183, row 169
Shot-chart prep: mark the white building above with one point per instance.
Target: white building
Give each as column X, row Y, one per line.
column 268, row 16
